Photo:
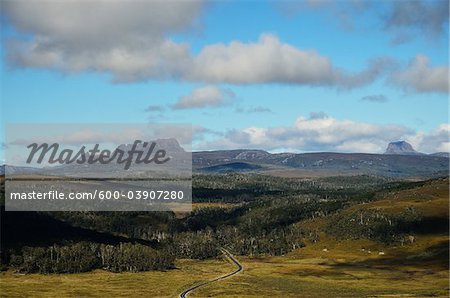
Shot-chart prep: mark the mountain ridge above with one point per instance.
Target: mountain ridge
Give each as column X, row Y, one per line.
column 405, row 165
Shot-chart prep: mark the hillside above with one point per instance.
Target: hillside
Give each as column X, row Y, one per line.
column 416, row 217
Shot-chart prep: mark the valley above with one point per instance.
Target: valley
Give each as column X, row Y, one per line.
column 340, row 236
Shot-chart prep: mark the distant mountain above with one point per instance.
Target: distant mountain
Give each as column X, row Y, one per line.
column 324, row 163
column 180, row 164
column 401, row 148
column 7, row 169
column 441, row 154
column 400, row 160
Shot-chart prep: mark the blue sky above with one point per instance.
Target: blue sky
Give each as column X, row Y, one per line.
column 58, row 68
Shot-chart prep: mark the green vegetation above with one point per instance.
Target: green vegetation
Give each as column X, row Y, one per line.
column 86, row 256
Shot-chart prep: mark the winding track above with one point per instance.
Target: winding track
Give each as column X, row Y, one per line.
column 230, row 256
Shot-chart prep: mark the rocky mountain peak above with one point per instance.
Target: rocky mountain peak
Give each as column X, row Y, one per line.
column 401, row 147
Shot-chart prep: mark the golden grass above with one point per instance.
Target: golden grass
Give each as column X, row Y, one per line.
column 344, row 270
column 101, row 283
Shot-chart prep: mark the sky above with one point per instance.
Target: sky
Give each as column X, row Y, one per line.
column 297, row 76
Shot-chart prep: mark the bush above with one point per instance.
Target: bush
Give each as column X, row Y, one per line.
column 86, row 256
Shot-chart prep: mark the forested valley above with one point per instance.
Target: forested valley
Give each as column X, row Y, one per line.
column 249, row 214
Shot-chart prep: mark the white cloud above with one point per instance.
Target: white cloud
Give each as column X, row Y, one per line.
column 438, row 140
column 126, row 38
column 271, row 61
column 101, row 23
column 267, row 60
column 159, row 61
column 129, row 39
column 207, row 96
column 320, row 132
column 420, row 76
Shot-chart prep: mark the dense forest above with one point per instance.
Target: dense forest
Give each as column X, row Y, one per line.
column 249, row 214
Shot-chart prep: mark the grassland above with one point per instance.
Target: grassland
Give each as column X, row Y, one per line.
column 101, row 283
column 343, row 270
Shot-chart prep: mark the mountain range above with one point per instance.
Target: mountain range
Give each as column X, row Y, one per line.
column 399, row 160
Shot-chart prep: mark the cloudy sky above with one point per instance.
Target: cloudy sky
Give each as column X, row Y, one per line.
column 301, row 76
